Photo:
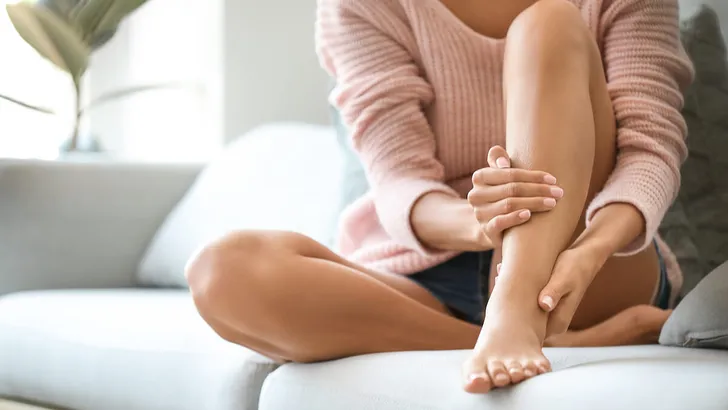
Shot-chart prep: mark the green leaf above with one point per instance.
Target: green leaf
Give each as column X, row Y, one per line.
column 28, row 27
column 99, row 19
column 62, row 8
column 118, row 11
column 51, row 37
column 87, row 15
column 26, row 105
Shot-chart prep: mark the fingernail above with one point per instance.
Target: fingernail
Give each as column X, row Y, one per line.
column 557, row 192
column 524, row 215
column 550, row 179
column 549, row 302
column 549, row 202
column 502, row 162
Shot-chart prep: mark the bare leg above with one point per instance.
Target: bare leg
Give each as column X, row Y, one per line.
column 290, row 298
column 637, row 325
column 560, row 120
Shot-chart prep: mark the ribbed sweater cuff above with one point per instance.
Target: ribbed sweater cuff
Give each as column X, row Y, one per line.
column 645, row 186
column 394, row 202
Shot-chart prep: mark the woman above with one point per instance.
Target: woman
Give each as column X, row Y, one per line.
column 584, row 94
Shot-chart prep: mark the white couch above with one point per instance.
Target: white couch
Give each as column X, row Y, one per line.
column 82, row 326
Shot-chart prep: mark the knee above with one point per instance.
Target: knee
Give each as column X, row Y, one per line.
column 550, row 27
column 235, row 270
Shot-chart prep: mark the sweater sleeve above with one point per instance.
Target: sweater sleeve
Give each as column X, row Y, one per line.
column 381, row 94
column 646, row 69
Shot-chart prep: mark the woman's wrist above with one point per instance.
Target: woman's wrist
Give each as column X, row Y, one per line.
column 447, row 223
column 611, row 229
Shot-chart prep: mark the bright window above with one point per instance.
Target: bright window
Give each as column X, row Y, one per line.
column 26, row 76
column 165, row 41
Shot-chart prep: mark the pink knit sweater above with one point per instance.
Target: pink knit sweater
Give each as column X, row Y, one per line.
column 422, row 94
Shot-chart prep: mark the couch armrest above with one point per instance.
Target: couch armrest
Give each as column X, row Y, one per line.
column 70, row 224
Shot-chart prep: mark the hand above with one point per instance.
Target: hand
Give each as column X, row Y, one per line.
column 503, row 197
column 573, row 272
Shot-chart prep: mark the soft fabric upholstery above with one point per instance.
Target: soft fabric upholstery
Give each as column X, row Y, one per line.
column 121, row 350
column 10, row 405
column 88, row 223
column 284, row 177
column 628, row 378
column 701, row 319
column 696, row 227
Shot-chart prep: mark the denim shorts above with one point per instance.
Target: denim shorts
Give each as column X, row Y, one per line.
column 461, row 283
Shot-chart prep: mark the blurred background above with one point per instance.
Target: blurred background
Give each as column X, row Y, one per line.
column 237, row 64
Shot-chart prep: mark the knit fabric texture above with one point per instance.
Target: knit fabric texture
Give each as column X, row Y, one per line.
column 421, row 93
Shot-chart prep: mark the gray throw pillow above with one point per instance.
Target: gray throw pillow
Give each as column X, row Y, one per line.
column 696, row 226
column 701, row 318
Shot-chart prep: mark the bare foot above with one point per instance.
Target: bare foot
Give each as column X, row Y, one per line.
column 508, row 352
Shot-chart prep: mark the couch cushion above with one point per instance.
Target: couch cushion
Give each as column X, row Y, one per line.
column 626, row 378
column 701, row 319
column 284, row 177
column 121, row 349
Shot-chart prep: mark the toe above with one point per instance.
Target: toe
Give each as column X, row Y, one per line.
column 478, row 383
column 516, row 371
column 498, row 373
column 476, row 379
column 529, row 369
column 543, row 366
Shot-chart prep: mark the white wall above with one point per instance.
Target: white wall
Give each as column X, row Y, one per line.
column 271, row 68
column 254, row 62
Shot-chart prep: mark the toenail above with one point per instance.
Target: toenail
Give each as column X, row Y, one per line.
column 476, row 376
column 514, row 370
column 529, row 373
column 502, row 378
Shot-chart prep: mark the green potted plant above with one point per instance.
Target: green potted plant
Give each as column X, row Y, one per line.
column 67, row 32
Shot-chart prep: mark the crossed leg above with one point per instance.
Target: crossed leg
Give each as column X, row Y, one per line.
column 559, row 119
column 292, row 299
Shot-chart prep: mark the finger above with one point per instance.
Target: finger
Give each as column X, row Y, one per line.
column 484, row 194
column 560, row 317
column 509, row 205
column 557, row 287
column 500, row 176
column 500, row 223
column 498, row 157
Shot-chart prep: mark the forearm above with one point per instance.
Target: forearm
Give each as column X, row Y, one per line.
column 444, row 222
column 612, row 228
